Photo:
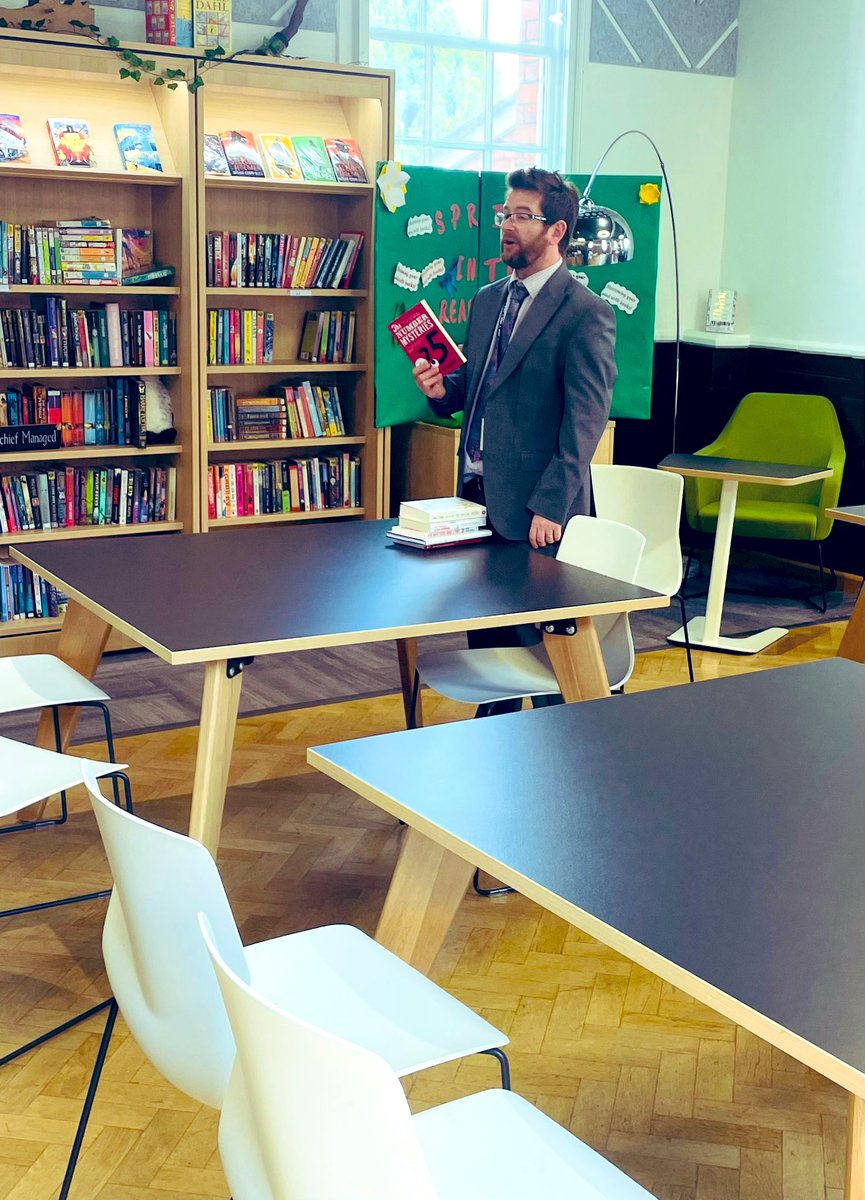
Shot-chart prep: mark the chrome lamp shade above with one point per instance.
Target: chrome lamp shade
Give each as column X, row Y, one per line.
column 601, row 236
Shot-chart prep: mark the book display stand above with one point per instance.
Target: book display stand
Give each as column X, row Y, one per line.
column 58, row 76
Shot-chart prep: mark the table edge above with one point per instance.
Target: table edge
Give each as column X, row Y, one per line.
column 851, row 518
column 737, row 1011
column 774, row 481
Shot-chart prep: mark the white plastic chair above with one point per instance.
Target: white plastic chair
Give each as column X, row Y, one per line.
column 159, row 971
column 29, row 774
column 485, row 676
column 650, row 501
column 313, row 1115
column 29, row 681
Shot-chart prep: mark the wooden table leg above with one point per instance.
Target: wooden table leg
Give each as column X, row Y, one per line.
column 219, row 704
column 578, row 662
column 406, row 652
column 853, row 642
column 855, row 1183
column 82, row 640
column 427, row 888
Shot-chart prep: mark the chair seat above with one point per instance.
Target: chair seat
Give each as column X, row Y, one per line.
column 340, row 979
column 496, row 1146
column 777, row 519
column 29, row 774
column 484, row 675
column 41, row 681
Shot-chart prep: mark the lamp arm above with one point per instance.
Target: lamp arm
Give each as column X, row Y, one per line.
column 586, row 200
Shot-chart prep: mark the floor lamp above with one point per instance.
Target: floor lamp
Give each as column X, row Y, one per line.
column 602, row 236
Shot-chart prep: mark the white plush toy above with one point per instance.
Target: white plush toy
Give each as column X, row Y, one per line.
column 160, row 418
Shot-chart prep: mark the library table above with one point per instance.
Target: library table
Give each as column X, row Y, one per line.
column 733, row 871
column 853, row 642
column 224, row 597
column 706, row 631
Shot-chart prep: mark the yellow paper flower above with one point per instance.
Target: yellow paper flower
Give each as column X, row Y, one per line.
column 650, row 193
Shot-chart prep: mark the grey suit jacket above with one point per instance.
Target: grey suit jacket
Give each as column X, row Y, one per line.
column 548, row 405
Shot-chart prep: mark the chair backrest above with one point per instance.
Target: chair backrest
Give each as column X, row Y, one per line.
column 613, row 549
column 651, row 501
column 156, row 961
column 779, row 427
column 307, row 1113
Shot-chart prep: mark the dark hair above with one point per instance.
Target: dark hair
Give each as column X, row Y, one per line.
column 560, row 200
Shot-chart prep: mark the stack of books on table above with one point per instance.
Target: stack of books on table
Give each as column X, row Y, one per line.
column 446, row 521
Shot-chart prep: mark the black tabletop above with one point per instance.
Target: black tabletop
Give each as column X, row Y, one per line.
column 203, row 597
column 741, row 467
column 721, row 825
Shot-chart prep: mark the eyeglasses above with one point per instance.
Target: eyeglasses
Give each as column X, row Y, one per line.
column 519, row 217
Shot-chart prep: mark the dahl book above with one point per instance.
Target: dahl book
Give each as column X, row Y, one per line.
column 212, row 24
column 137, row 147
column 215, row 162
column 242, row 154
column 313, row 158
column 70, row 138
column 13, row 143
column 420, row 333
column 346, row 161
column 279, row 156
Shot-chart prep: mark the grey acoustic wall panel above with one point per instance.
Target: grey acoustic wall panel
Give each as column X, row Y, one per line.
column 698, row 36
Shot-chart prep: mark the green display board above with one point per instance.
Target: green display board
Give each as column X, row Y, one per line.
column 445, row 233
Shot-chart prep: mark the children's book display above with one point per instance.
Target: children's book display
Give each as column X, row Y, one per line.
column 13, row 143
column 71, row 142
column 137, row 147
column 70, row 138
column 294, row 159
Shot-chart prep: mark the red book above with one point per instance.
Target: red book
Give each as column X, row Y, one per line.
column 422, row 335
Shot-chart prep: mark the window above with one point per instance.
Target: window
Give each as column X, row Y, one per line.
column 479, row 83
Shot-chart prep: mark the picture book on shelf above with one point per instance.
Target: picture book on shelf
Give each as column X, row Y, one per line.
column 345, row 158
column 71, row 140
column 215, row 162
column 168, row 22
column 242, row 154
column 212, row 24
column 137, row 147
column 422, row 335
column 134, row 250
column 279, row 156
column 312, row 156
column 13, row 143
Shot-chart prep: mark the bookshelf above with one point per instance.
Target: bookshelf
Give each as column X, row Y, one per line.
column 272, row 96
column 54, row 76
column 47, row 75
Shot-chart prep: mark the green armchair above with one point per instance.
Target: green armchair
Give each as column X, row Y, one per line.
column 776, row 427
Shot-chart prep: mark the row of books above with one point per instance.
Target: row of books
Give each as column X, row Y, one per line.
column 282, row 260
column 291, row 485
column 70, row 141
column 202, row 23
column 277, row 156
column 53, row 334
column 24, row 596
column 87, row 250
column 113, row 415
column 239, row 335
column 306, row 411
column 328, row 337
column 69, row 497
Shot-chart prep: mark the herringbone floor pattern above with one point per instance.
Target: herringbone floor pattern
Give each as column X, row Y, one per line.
column 693, row 1107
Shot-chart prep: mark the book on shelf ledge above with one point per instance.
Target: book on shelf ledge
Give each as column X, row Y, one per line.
column 68, row 497
column 113, row 415
column 13, row 143
column 300, row 412
column 282, row 260
column 215, row 162
column 239, row 337
column 70, row 137
column 442, row 521
column 346, row 160
column 242, row 154
column 328, row 337
column 26, row 597
column 313, row 158
column 421, row 335
column 137, row 146
column 51, row 333
column 279, row 156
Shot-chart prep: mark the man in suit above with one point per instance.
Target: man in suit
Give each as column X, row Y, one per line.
column 539, row 375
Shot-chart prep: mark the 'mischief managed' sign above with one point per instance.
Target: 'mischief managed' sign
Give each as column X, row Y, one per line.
column 29, row 437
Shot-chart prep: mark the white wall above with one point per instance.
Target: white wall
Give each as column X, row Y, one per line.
column 688, row 117
column 794, row 242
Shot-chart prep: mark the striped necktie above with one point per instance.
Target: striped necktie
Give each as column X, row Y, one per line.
column 517, row 293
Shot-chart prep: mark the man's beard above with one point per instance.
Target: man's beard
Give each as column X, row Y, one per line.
column 518, row 260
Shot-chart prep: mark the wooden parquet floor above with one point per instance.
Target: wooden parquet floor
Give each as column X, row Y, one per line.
column 693, row 1107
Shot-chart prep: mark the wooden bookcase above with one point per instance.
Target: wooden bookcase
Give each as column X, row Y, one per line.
column 62, row 75
column 49, row 77
column 296, row 98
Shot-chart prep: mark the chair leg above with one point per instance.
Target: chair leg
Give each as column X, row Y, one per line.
column 109, row 740
column 496, row 891
column 681, row 600
column 412, row 710
column 89, row 1098
column 823, row 602
column 504, row 1065
column 46, row 1037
